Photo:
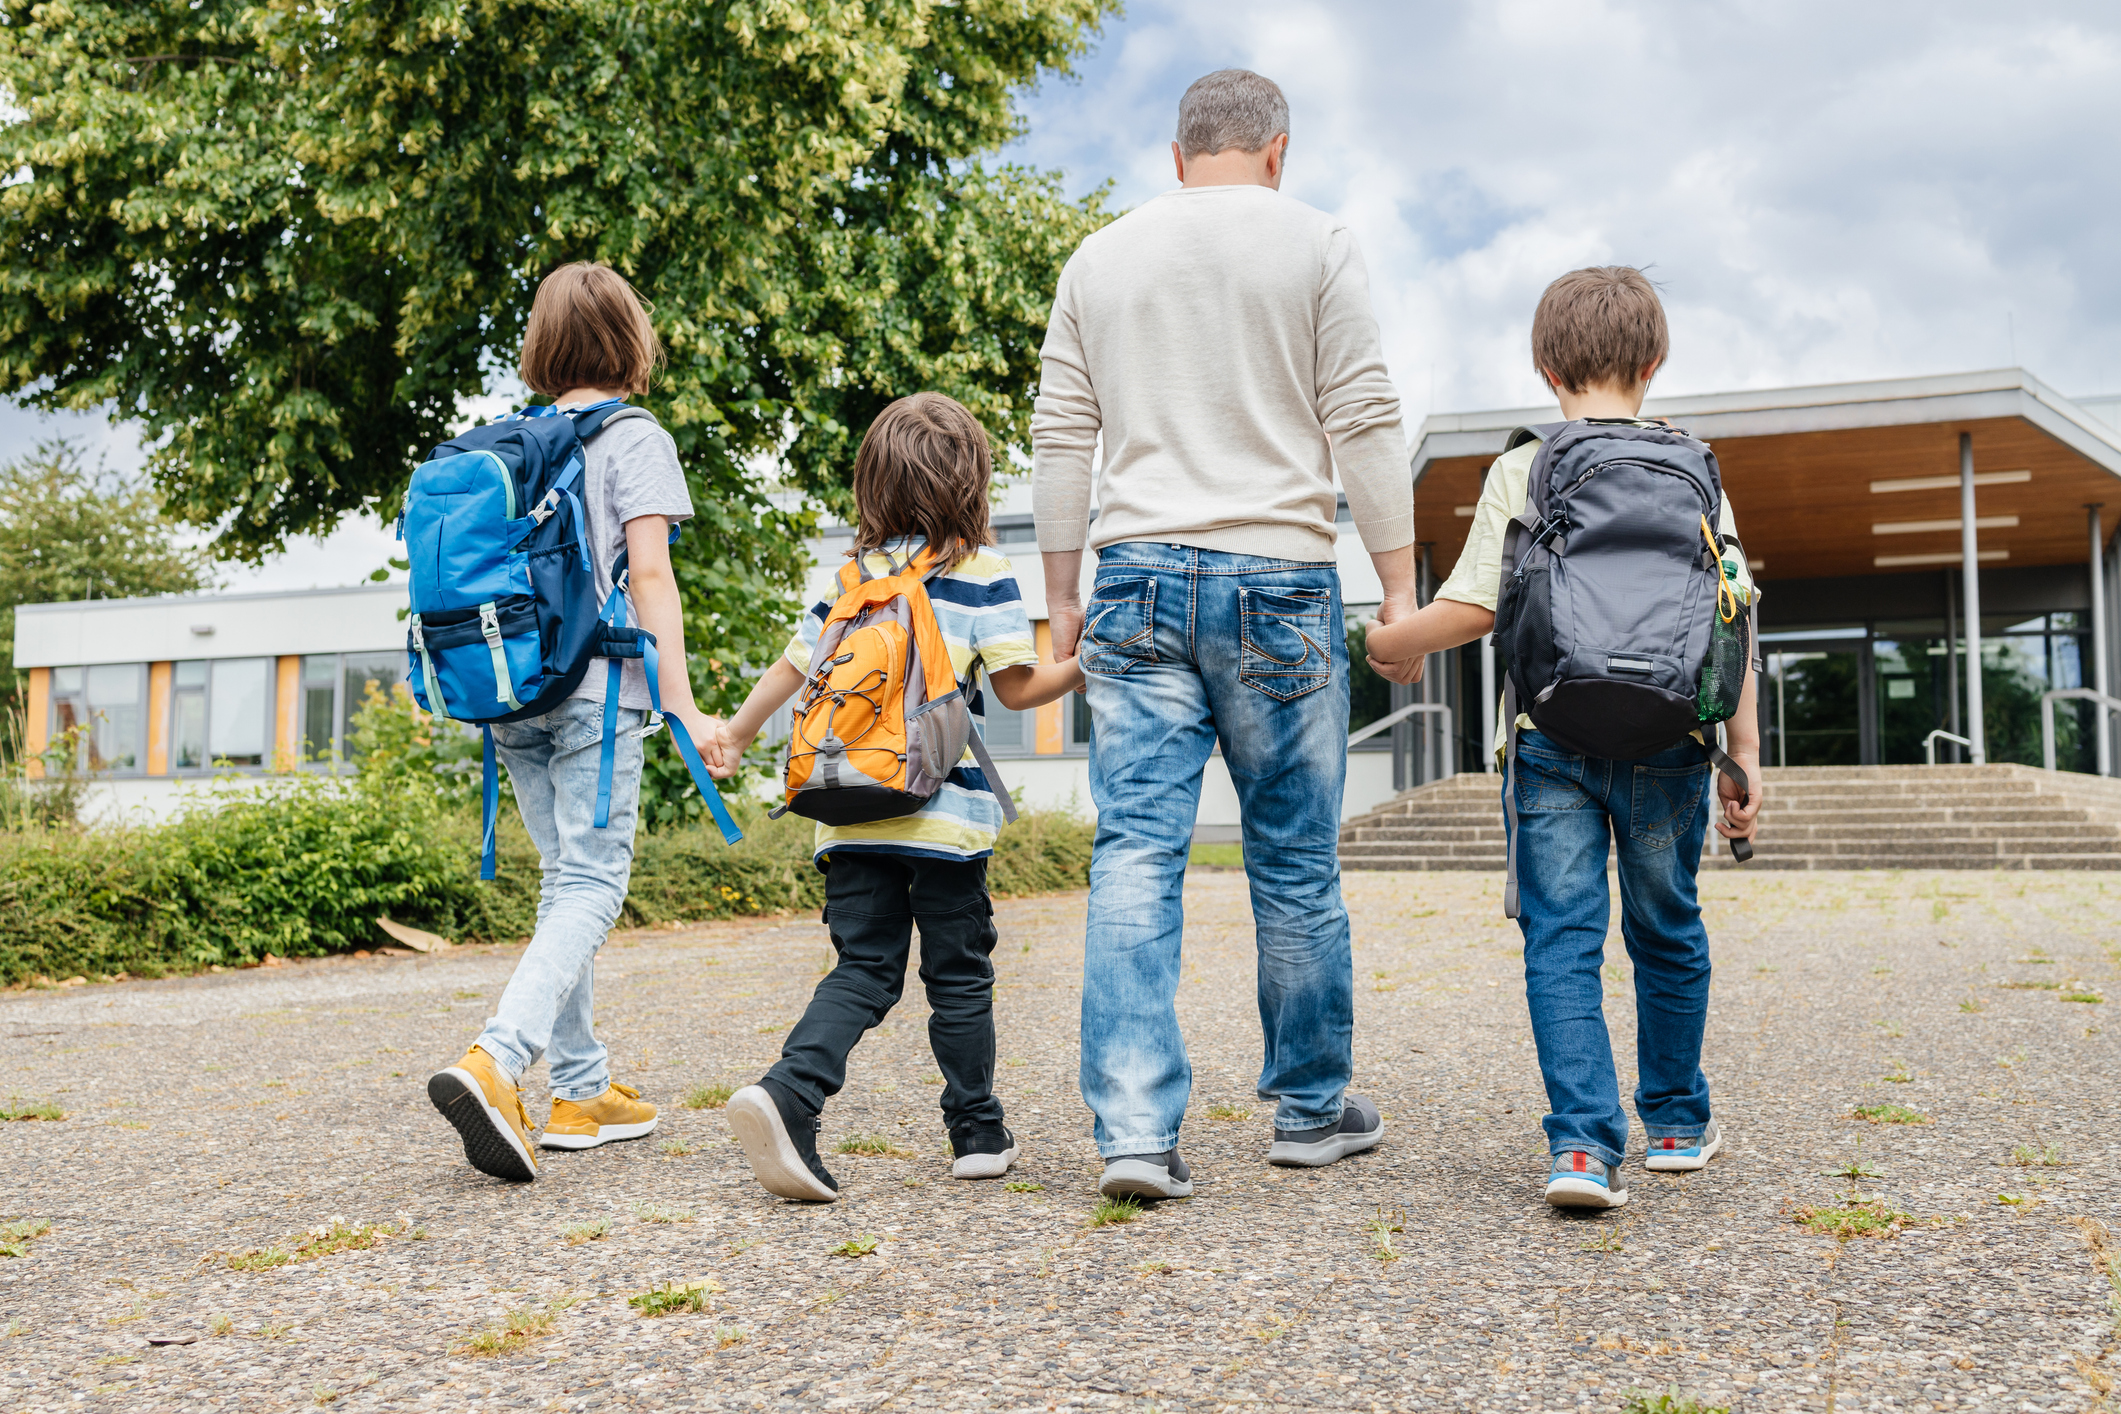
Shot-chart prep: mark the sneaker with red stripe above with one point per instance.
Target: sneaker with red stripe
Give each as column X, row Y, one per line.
column 1582, row 1180
column 1683, row 1153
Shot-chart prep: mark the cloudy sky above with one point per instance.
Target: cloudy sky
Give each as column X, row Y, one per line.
column 1826, row 191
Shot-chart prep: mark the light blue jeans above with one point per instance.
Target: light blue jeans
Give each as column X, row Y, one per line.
column 546, row 1010
column 1569, row 810
column 1185, row 649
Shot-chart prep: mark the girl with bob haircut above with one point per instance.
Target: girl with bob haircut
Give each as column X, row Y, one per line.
column 921, row 481
column 589, row 341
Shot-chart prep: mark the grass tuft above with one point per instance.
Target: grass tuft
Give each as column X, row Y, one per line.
column 580, row 1233
column 874, row 1145
column 860, row 1246
column 1019, row 1186
column 657, row 1213
column 1854, row 1217
column 517, row 1329
column 2047, row 1156
column 1890, row 1114
column 678, row 1148
column 258, row 1259
column 323, row 1395
column 707, row 1097
column 16, row 1108
column 1220, row 1111
column 670, row 1299
column 1113, row 1211
column 2092, row 998
column 728, row 1336
column 1669, row 1402
column 15, row 1236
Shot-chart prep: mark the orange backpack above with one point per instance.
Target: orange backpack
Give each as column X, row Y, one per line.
column 881, row 719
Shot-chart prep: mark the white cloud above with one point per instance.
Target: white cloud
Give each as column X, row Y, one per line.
column 1827, row 191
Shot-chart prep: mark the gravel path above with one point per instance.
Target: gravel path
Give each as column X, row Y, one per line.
column 217, row 1115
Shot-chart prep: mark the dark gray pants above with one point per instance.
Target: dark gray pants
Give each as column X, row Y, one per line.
column 872, row 902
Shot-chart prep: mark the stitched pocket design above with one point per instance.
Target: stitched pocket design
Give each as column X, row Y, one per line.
column 1288, row 641
column 1665, row 801
column 1119, row 627
column 1547, row 783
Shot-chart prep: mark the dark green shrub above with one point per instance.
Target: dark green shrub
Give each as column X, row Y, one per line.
column 303, row 866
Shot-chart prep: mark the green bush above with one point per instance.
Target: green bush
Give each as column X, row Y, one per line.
column 302, row 866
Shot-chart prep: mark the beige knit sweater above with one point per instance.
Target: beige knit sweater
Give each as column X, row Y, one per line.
column 1222, row 341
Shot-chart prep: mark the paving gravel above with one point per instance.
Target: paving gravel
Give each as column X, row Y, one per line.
column 216, row 1115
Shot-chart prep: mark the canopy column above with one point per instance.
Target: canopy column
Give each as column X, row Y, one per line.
column 1970, row 576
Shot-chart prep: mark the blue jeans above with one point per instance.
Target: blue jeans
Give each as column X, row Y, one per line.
column 1186, row 648
column 546, row 1009
column 1568, row 806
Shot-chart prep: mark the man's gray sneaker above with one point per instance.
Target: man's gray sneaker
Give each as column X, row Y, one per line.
column 1582, row 1181
column 1360, row 1127
column 1684, row 1154
column 1162, row 1175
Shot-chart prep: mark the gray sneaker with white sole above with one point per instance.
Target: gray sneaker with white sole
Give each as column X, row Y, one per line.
column 1162, row 1175
column 1361, row 1127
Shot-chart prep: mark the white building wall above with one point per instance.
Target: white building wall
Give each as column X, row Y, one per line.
column 182, row 626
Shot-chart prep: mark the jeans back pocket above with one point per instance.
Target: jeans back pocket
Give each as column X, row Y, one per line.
column 1119, row 627
column 1546, row 783
column 1288, row 639
column 1666, row 801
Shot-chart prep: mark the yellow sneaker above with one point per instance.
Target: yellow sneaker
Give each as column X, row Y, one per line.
column 618, row 1113
column 477, row 1097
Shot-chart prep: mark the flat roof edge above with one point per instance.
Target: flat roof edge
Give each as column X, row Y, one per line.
column 113, row 605
column 1837, row 407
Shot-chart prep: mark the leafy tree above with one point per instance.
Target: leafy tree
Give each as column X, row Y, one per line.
column 68, row 532
column 290, row 237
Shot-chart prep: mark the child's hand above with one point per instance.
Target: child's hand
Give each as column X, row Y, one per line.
column 729, row 752
column 1405, row 671
column 1739, row 821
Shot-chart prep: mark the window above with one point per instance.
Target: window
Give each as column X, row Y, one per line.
column 1080, row 727
column 187, row 735
column 364, row 672
column 69, row 703
column 1009, row 733
column 320, row 685
column 107, row 704
column 117, row 695
column 238, row 711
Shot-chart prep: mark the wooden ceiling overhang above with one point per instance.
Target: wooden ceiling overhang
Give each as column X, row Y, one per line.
column 1812, row 472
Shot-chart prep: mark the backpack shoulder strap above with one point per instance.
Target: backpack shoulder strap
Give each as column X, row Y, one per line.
column 597, row 416
column 1533, row 432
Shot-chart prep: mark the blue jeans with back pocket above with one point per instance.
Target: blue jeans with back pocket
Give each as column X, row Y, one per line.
column 1569, row 808
column 1186, row 649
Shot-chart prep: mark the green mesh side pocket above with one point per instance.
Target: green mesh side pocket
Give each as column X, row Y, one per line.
column 1723, row 671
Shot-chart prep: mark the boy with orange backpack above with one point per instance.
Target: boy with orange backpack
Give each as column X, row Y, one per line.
column 885, row 754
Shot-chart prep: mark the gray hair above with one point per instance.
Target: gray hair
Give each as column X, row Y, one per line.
column 1231, row 108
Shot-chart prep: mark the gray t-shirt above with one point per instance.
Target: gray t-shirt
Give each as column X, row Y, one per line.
column 631, row 470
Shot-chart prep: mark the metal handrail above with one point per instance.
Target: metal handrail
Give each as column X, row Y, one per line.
column 1929, row 744
column 2047, row 716
column 1397, row 715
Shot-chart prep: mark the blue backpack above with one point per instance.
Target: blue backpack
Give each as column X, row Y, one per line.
column 505, row 620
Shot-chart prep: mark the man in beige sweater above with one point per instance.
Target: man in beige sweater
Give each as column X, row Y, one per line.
column 1220, row 342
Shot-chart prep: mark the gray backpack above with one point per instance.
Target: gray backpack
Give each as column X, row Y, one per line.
column 1623, row 626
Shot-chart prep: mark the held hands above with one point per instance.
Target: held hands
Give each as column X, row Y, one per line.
column 1739, row 821
column 1400, row 670
column 1066, row 622
column 706, row 734
column 728, row 752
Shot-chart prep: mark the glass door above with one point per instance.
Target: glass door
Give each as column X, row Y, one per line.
column 1817, row 709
